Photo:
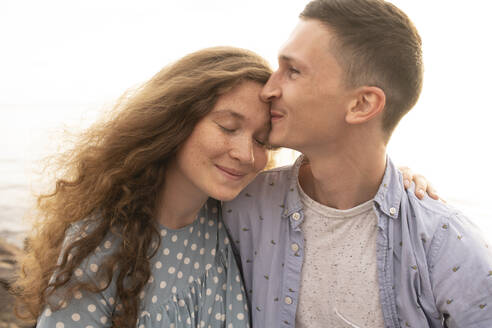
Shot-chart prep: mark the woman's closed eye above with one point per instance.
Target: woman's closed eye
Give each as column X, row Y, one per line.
column 230, row 129
column 227, row 129
column 261, row 142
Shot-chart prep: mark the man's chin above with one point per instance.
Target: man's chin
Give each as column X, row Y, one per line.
column 276, row 139
column 274, row 145
column 283, row 142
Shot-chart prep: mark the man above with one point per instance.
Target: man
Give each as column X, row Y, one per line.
column 334, row 240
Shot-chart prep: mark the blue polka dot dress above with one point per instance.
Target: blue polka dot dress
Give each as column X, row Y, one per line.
column 195, row 282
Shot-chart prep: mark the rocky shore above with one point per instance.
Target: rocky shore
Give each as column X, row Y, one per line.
column 8, row 266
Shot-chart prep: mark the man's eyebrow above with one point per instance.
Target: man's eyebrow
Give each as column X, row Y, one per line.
column 290, row 59
column 285, row 58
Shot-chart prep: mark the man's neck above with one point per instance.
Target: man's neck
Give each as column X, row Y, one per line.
column 346, row 178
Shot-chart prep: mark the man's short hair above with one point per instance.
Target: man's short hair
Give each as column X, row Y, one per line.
column 377, row 45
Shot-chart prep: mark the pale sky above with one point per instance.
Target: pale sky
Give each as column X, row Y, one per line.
column 66, row 58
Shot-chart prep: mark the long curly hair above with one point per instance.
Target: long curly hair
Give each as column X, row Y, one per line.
column 113, row 176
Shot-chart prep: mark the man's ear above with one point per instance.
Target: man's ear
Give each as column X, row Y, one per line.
column 367, row 103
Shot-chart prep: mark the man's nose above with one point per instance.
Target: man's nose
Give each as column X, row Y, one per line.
column 271, row 89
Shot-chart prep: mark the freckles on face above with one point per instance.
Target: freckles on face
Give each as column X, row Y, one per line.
column 225, row 150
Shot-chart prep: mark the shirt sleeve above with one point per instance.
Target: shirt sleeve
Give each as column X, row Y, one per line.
column 461, row 274
column 84, row 309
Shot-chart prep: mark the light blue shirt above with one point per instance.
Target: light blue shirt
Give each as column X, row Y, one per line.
column 434, row 269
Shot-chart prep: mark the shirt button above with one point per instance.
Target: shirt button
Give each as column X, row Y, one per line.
column 296, row 216
column 288, row 300
column 392, row 211
column 294, row 247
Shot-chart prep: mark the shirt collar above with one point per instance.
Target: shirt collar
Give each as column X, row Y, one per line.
column 390, row 191
column 293, row 199
column 388, row 196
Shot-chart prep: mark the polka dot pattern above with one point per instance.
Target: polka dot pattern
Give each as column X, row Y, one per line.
column 195, row 282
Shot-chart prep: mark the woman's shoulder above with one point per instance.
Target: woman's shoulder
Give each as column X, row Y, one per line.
column 76, row 236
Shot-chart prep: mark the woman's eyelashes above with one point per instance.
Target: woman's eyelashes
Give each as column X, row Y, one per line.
column 227, row 129
column 262, row 142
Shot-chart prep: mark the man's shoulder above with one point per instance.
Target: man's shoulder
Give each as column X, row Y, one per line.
column 426, row 215
column 266, row 197
column 259, row 206
column 428, row 210
column 435, row 217
column 276, row 175
column 267, row 184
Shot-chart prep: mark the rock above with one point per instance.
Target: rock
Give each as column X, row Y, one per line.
column 8, row 263
column 8, row 266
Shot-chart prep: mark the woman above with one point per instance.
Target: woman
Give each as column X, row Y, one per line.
column 135, row 215
column 131, row 236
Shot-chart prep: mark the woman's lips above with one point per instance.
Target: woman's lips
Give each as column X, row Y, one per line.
column 231, row 173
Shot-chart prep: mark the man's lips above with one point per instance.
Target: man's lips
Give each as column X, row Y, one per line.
column 276, row 115
column 231, row 173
